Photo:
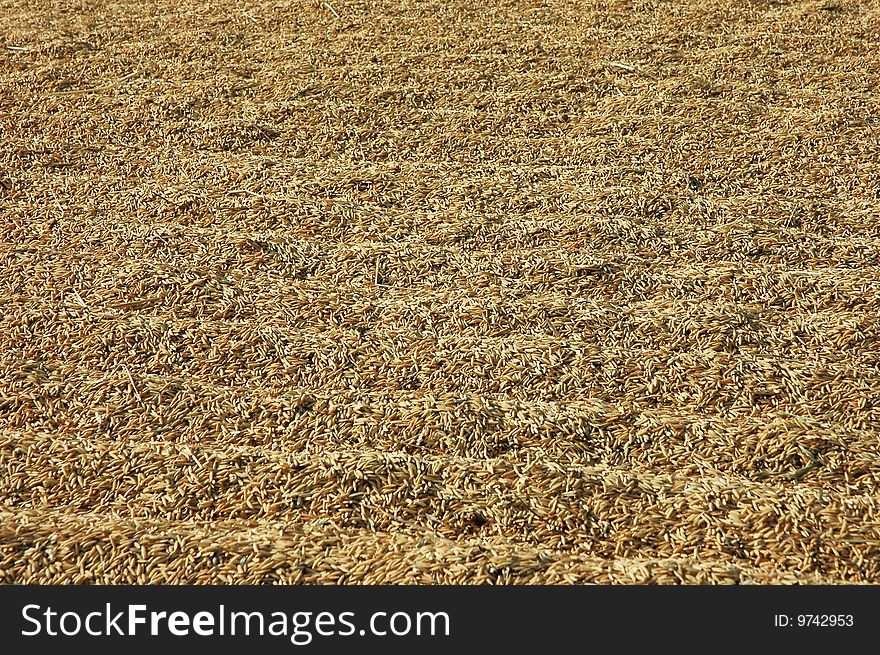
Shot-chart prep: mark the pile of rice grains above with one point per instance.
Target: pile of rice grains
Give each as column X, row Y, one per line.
column 406, row 291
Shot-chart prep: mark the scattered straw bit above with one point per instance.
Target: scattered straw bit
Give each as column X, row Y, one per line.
column 330, row 8
column 79, row 298
column 133, row 385
column 630, row 69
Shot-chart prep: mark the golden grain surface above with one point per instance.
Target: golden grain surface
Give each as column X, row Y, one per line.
column 409, row 291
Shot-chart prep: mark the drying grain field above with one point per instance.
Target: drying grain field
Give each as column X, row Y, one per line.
column 439, row 291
